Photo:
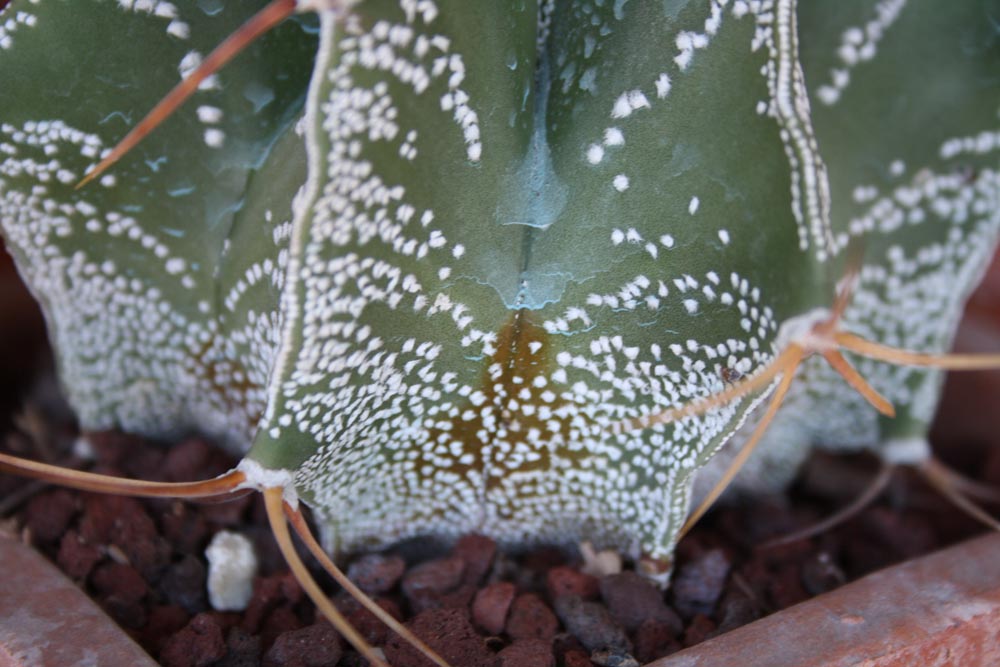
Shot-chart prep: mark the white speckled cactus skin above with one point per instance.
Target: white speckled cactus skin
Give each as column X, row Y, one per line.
column 429, row 257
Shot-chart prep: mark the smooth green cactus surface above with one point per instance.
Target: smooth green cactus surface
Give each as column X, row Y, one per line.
column 430, row 256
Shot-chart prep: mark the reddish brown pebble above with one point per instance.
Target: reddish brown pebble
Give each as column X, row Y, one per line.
column 315, row 646
column 769, row 517
column 242, row 650
column 736, row 610
column 543, row 558
column 268, row 592
column 751, row 579
column 184, row 584
column 477, row 551
column 563, row 643
column 865, row 555
column 699, row 583
column 185, row 528
column 126, row 524
column 700, row 629
column 577, row 659
column 230, row 513
column 163, row 621
column 135, row 533
column 373, row 630
column 48, row 514
column 655, row 639
column 187, row 461
column 99, row 513
column 991, row 469
column 76, row 557
column 128, row 614
column 119, row 580
column 490, row 607
column 449, row 632
column 821, row 574
column 199, row 644
column 632, row 599
column 785, row 586
column 280, row 620
column 565, row 580
column 531, row 618
column 779, row 554
column 112, row 447
column 460, row 597
column 290, row 588
column 527, row 653
column 908, row 534
column 376, row 573
column 425, row 584
column 592, row 624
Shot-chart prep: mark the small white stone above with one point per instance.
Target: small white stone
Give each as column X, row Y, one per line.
column 232, row 566
column 600, row 563
column 83, row 449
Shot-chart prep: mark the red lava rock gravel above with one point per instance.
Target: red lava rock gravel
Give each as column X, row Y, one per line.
column 698, row 584
column 373, row 630
column 491, row 605
column 317, row 645
column 449, row 632
column 143, row 562
column 527, row 653
column 563, row 580
column 531, row 618
column 426, row 585
column 477, row 553
column 591, row 623
column 376, row 573
column 198, row 644
column 632, row 599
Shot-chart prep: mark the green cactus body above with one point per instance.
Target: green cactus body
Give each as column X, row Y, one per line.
column 904, row 106
column 430, row 283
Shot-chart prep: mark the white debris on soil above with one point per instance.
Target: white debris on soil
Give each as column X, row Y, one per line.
column 83, row 449
column 232, row 565
column 599, row 563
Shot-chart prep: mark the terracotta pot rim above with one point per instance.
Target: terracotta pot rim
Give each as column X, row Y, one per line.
column 939, row 609
column 47, row 621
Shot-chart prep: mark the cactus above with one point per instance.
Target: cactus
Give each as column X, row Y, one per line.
column 445, row 266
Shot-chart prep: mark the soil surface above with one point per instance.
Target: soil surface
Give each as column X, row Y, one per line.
column 144, row 561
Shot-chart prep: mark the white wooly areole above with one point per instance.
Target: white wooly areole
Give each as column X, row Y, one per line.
column 467, row 266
